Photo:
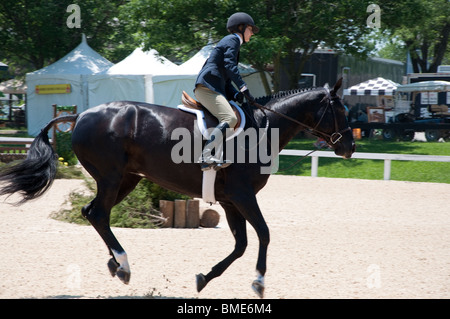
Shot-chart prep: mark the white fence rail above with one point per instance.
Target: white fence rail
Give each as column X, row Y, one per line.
column 374, row 156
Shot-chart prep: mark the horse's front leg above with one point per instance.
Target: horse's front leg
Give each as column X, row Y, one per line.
column 237, row 225
column 249, row 208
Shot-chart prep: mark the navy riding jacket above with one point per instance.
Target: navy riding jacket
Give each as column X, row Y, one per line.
column 221, row 68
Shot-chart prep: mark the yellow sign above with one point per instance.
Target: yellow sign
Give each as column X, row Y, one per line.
column 53, row 89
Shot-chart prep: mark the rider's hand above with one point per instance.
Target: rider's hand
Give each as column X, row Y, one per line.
column 249, row 97
column 239, row 97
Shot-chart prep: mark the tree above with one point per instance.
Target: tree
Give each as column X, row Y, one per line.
column 421, row 28
column 174, row 27
column 35, row 33
column 295, row 29
column 427, row 42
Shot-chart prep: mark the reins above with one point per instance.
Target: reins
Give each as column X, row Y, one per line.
column 334, row 137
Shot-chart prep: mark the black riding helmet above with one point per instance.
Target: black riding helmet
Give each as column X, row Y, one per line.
column 238, row 18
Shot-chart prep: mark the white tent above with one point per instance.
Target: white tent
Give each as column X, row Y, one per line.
column 140, row 62
column 140, row 72
column 149, row 77
column 195, row 64
column 377, row 86
column 155, row 79
column 71, row 72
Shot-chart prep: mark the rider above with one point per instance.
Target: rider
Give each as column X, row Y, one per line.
column 213, row 87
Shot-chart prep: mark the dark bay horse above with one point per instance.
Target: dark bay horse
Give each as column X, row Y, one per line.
column 119, row 143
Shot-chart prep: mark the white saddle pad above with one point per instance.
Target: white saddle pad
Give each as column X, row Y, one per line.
column 202, row 124
column 209, row 176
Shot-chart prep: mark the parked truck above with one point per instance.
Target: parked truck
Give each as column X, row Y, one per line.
column 420, row 105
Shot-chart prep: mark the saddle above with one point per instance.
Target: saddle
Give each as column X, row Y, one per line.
column 189, row 102
column 192, row 106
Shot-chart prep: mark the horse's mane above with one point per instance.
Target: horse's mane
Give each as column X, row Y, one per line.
column 284, row 94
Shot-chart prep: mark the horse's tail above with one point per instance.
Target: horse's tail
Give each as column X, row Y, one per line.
column 35, row 174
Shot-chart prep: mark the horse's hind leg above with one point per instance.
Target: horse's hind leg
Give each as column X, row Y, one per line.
column 237, row 224
column 98, row 213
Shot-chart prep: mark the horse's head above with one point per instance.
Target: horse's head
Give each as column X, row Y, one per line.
column 331, row 123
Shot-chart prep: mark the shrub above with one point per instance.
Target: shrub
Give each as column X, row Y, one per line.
column 138, row 210
column 64, row 147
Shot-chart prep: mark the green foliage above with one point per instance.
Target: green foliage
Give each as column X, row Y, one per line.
column 137, row 210
column 64, row 147
column 421, row 27
column 174, row 27
column 178, row 28
column 434, row 172
column 37, row 34
column 66, row 171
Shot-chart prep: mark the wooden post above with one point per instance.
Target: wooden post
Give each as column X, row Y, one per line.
column 193, row 213
column 167, row 207
column 179, row 218
column 210, row 218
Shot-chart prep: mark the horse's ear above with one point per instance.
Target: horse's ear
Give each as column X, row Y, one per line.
column 336, row 87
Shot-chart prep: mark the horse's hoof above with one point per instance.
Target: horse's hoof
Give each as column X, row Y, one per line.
column 201, row 282
column 258, row 287
column 123, row 276
column 115, row 269
column 112, row 266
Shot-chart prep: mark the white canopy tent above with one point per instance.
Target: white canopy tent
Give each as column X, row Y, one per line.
column 140, row 62
column 73, row 72
column 163, row 80
column 148, row 70
column 375, row 87
column 92, row 80
column 150, row 77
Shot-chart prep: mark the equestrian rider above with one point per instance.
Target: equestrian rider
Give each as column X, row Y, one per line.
column 213, row 87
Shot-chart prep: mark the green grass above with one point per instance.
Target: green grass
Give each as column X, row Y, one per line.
column 435, row 172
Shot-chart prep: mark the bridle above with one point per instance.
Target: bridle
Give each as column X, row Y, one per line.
column 334, row 137
column 337, row 135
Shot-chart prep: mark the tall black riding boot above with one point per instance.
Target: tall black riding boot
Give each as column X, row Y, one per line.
column 216, row 139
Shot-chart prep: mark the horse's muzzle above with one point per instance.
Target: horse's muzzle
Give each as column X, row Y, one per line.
column 345, row 150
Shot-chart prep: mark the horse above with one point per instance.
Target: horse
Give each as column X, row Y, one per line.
column 119, row 143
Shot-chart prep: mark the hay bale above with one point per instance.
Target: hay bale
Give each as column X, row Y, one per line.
column 192, row 213
column 179, row 216
column 167, row 209
column 210, row 218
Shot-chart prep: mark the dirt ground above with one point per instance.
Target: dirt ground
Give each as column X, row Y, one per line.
column 330, row 238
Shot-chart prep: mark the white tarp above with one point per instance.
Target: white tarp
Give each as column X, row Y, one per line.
column 140, row 62
column 105, row 88
column 377, row 86
column 158, row 80
column 74, row 69
column 425, row 86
